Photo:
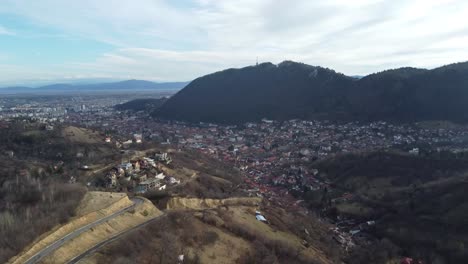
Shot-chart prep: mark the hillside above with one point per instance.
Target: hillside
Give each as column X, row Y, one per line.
column 295, row 90
column 209, row 219
column 417, row 202
column 141, row 104
column 35, row 187
column 229, row 234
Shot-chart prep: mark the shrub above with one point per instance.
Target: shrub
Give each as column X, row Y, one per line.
column 210, row 237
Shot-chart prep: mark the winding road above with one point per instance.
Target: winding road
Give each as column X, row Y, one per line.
column 109, row 240
column 52, row 247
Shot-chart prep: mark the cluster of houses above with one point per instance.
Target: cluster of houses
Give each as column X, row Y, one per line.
column 342, row 238
column 141, row 175
column 41, row 113
column 137, row 138
column 347, row 232
column 270, row 153
column 163, row 157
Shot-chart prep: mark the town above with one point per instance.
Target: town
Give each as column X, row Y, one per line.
column 273, row 157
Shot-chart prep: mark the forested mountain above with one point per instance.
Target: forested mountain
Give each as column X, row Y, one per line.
column 295, row 90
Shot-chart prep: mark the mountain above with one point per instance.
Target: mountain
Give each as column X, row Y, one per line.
column 129, row 85
column 273, row 91
column 15, row 89
column 295, row 90
column 136, row 85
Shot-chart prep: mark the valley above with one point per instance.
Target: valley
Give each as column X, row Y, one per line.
column 110, row 181
column 233, row 132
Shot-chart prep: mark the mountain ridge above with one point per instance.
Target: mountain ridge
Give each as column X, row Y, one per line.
column 296, row 90
column 131, row 85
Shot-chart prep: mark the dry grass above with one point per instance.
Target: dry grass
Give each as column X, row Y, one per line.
column 142, row 213
column 200, row 204
column 81, row 135
column 227, row 234
column 60, row 231
column 94, row 201
column 177, row 233
column 227, row 249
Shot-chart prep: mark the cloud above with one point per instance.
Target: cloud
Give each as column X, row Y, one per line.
column 162, row 40
column 4, row 31
column 114, row 22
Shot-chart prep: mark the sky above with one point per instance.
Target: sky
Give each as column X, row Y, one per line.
column 45, row 41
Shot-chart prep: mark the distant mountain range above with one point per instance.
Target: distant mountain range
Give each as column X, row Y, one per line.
column 130, row 85
column 294, row 90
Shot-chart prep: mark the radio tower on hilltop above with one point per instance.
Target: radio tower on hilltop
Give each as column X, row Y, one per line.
column 257, row 61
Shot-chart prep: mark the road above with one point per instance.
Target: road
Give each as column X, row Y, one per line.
column 52, row 247
column 109, row 240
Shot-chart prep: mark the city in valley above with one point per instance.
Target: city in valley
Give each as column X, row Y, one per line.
column 283, row 163
column 233, row 132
